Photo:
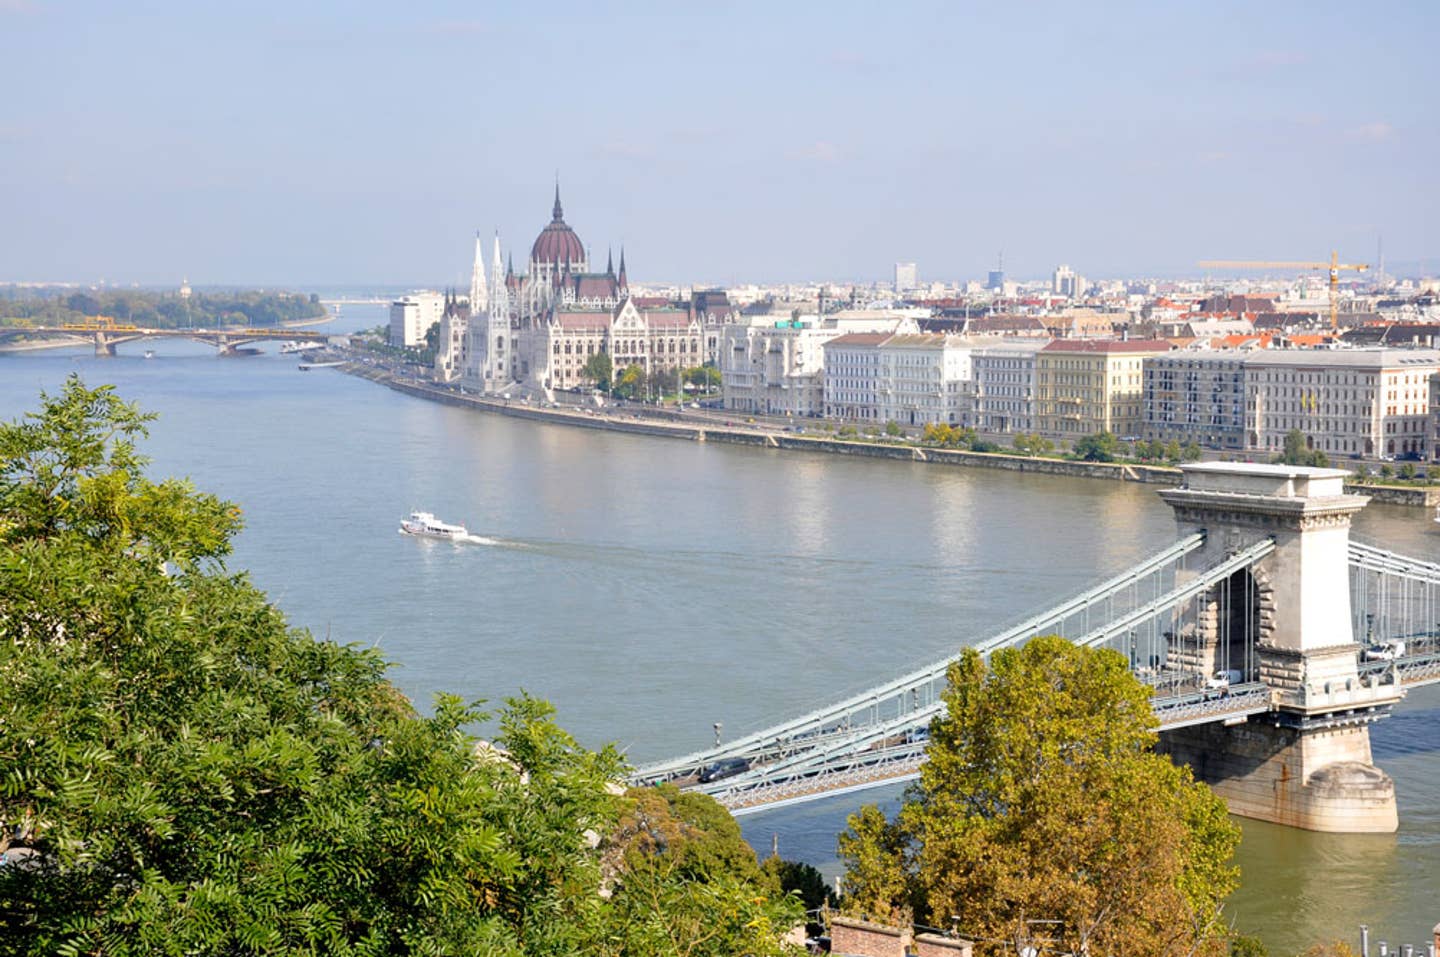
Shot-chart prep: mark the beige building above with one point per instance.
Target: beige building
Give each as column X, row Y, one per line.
column 1361, row 402
column 1083, row 386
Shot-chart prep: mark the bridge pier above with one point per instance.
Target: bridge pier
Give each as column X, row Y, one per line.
column 103, row 345
column 1307, row 762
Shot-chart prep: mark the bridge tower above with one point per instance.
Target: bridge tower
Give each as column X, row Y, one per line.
column 1307, row 762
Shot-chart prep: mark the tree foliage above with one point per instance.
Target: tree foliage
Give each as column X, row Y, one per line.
column 599, row 369
column 1099, row 447
column 1032, row 443
column 1043, row 800
column 184, row 774
column 1298, row 452
column 163, row 310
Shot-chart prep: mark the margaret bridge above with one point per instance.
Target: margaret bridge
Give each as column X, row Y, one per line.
column 105, row 334
column 1271, row 641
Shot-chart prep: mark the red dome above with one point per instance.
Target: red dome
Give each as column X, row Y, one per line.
column 557, row 243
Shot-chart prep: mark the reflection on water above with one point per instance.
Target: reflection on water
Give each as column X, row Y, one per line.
column 650, row 588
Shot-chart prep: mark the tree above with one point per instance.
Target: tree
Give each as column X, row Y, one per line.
column 599, row 369
column 892, row 428
column 1099, row 447
column 186, row 774
column 1171, row 451
column 630, row 381
column 686, row 881
column 1191, row 452
column 1408, row 471
column 1043, row 799
column 1032, row 443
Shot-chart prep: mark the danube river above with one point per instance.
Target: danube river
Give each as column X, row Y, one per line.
column 650, row 588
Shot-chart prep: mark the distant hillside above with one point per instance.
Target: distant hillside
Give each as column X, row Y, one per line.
column 163, row 310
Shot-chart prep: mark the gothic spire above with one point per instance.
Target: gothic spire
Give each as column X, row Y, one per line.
column 623, row 281
column 558, row 213
column 609, row 262
column 477, row 277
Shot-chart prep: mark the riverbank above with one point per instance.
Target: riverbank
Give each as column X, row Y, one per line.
column 672, row 425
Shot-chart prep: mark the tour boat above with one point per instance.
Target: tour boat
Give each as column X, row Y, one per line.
column 426, row 525
column 290, row 347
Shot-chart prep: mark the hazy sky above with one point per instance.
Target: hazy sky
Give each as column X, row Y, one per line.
column 322, row 143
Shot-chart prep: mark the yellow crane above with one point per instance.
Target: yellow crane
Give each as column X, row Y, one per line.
column 1334, row 265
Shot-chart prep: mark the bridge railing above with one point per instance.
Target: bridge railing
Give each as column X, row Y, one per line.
column 916, row 696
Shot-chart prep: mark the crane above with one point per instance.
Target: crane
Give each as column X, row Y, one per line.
column 1334, row 265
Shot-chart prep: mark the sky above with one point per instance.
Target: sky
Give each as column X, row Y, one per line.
column 324, row 143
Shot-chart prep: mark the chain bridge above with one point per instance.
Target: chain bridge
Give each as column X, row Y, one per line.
column 1269, row 638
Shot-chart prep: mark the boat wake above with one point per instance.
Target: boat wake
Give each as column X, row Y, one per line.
column 470, row 539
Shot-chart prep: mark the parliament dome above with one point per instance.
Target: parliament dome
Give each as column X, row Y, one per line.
column 557, row 243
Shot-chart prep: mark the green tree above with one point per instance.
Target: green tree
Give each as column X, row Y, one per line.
column 1191, row 452
column 1408, row 471
column 1386, row 471
column 630, row 382
column 687, row 883
column 1297, row 450
column 599, row 368
column 704, row 377
column 1242, row 945
column 1171, row 452
column 892, row 428
column 1032, row 443
column 1099, row 447
column 1043, row 799
column 186, row 774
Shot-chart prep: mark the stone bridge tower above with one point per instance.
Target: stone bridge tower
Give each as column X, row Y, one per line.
column 1307, row 762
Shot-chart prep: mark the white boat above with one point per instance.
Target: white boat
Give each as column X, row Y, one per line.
column 307, row 366
column 426, row 525
column 149, row 353
column 291, row 347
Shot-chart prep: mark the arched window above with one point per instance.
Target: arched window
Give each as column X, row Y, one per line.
column 557, row 348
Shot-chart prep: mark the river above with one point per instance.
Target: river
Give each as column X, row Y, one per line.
column 650, row 588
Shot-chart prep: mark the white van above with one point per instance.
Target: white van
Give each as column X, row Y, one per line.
column 1222, row 680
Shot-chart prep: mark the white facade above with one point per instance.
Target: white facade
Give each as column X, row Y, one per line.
column 1363, row 402
column 907, row 277
column 924, row 378
column 852, row 376
column 1004, row 390
column 910, row 378
column 775, row 366
column 411, row 316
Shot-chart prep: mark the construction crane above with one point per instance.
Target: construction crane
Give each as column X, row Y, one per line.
column 1334, row 265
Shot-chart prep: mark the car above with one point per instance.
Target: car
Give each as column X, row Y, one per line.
column 1222, row 680
column 1383, row 651
column 724, row 768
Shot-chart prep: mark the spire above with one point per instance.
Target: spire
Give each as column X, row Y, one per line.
column 510, row 266
column 609, row 262
column 623, row 281
column 477, row 277
column 558, row 213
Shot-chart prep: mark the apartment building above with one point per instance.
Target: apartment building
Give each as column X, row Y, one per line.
column 1195, row 397
column 1361, row 402
column 1003, row 391
column 1083, row 386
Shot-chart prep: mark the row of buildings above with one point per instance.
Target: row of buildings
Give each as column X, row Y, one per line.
column 876, row 369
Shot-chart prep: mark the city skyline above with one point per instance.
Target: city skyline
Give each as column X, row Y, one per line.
column 361, row 144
